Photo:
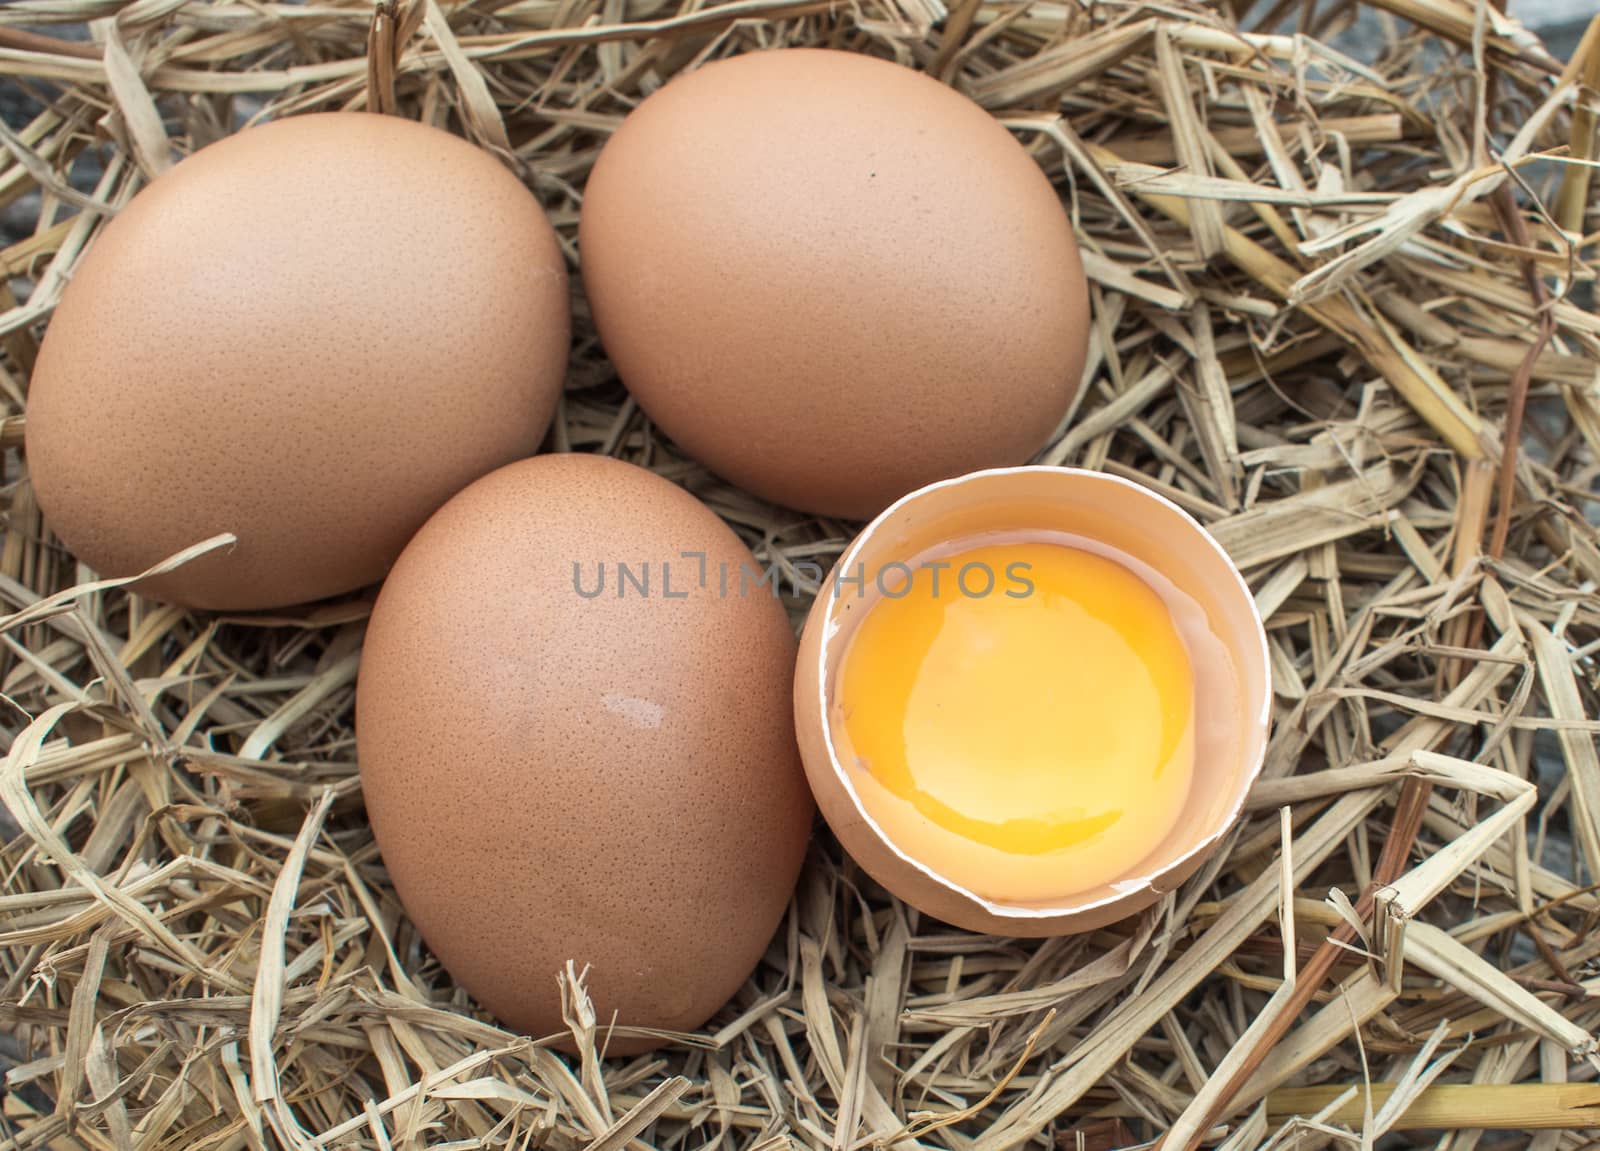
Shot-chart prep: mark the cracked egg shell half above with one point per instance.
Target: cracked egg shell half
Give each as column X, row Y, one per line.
column 904, row 839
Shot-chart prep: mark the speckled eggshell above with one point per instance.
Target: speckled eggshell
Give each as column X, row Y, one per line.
column 833, row 279
column 310, row 334
column 606, row 779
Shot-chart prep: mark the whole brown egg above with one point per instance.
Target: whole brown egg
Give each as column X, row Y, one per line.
column 309, row 334
column 833, row 279
column 576, row 738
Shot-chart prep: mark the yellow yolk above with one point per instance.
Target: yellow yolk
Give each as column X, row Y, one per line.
column 1028, row 743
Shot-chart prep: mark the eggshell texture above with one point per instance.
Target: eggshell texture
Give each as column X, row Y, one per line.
column 310, row 334
column 833, row 279
column 608, row 779
column 1233, row 682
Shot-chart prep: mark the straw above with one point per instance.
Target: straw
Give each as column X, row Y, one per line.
column 1343, row 314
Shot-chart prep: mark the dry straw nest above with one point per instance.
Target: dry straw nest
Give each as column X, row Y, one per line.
column 1341, row 316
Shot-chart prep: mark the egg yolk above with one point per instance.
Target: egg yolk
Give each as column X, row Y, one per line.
column 1027, row 743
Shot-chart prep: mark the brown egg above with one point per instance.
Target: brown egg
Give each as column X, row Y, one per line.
column 1221, row 630
column 310, row 334
column 832, row 279
column 564, row 760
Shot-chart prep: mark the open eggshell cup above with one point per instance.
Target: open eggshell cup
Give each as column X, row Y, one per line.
column 1049, row 501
